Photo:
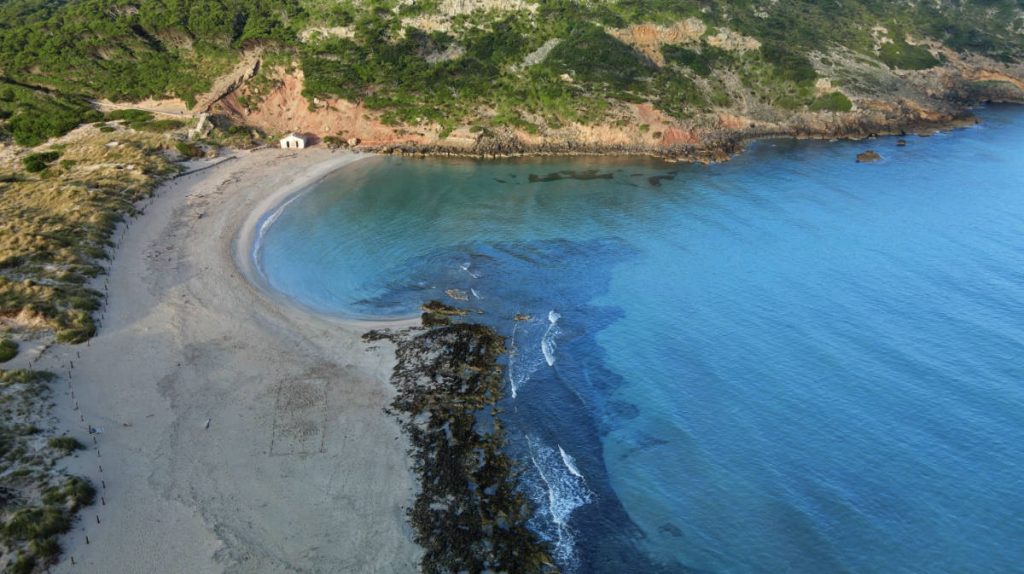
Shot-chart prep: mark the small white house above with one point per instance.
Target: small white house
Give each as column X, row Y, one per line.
column 293, row 141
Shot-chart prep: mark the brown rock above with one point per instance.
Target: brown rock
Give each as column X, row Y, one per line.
column 868, row 156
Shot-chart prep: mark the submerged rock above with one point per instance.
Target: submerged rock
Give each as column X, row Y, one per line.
column 457, row 294
column 901, row 143
column 868, row 156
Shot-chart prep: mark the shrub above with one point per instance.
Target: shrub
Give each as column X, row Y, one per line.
column 130, row 116
column 334, row 142
column 159, row 125
column 45, row 548
column 188, row 150
column 36, row 523
column 703, row 62
column 832, row 102
column 8, row 350
column 65, row 444
column 39, row 161
column 76, row 326
column 907, row 57
column 75, row 492
column 24, row 564
column 789, row 65
column 594, row 57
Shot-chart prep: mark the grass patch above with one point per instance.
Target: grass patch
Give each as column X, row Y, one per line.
column 55, row 227
column 74, row 493
column 39, row 501
column 65, row 444
column 36, row 523
column 8, row 350
column 188, row 150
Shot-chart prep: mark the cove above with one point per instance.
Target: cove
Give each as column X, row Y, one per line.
column 786, row 362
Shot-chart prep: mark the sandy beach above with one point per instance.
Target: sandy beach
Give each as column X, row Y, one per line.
column 238, row 434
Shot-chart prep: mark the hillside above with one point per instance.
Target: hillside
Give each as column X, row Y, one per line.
column 514, row 75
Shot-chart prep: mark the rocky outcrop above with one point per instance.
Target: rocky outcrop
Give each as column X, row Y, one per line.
column 869, row 156
column 649, row 38
column 885, row 102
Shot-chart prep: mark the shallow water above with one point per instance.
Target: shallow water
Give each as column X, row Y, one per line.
column 788, row 362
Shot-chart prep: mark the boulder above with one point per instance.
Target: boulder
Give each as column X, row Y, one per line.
column 868, row 156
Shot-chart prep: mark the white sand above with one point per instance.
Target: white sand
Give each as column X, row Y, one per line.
column 299, row 470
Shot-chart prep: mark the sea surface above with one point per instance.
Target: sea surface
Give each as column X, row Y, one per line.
column 789, row 362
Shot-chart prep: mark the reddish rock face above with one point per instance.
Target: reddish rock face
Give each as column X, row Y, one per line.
column 285, row 109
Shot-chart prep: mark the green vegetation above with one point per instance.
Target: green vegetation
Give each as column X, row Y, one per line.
column 37, row 162
column 188, row 150
column 130, row 116
column 8, row 350
column 902, row 55
column 468, row 71
column 40, row 502
column 142, row 120
column 55, row 228
column 594, row 58
column 64, row 444
column 74, row 493
column 832, row 102
column 702, row 62
column 31, row 116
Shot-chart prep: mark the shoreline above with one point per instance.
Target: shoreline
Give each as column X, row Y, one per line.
column 239, row 434
column 720, row 146
column 208, row 343
column 250, row 234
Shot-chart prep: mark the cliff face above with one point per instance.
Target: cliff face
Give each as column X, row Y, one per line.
column 883, row 100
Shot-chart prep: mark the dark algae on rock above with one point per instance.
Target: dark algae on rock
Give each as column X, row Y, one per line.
column 468, row 516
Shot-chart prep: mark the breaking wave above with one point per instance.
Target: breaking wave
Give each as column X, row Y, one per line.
column 557, row 491
column 547, row 343
column 522, row 363
column 570, row 462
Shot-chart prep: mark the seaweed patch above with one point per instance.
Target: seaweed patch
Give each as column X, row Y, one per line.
column 584, row 175
column 469, row 515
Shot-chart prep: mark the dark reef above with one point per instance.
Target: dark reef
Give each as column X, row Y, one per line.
column 469, row 515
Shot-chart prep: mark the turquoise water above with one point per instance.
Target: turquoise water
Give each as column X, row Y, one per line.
column 786, row 363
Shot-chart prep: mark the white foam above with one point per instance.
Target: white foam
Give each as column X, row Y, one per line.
column 475, row 294
column 547, row 343
column 257, row 247
column 521, row 363
column 570, row 462
column 557, row 494
column 465, row 267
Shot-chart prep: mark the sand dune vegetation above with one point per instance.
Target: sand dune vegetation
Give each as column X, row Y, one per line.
column 57, row 223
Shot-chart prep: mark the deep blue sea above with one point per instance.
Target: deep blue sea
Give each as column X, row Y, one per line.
column 789, row 362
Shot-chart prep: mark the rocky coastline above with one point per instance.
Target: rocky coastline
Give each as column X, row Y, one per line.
column 469, row 515
column 714, row 147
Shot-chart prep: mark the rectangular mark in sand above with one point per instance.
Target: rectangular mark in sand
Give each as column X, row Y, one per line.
column 300, row 417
